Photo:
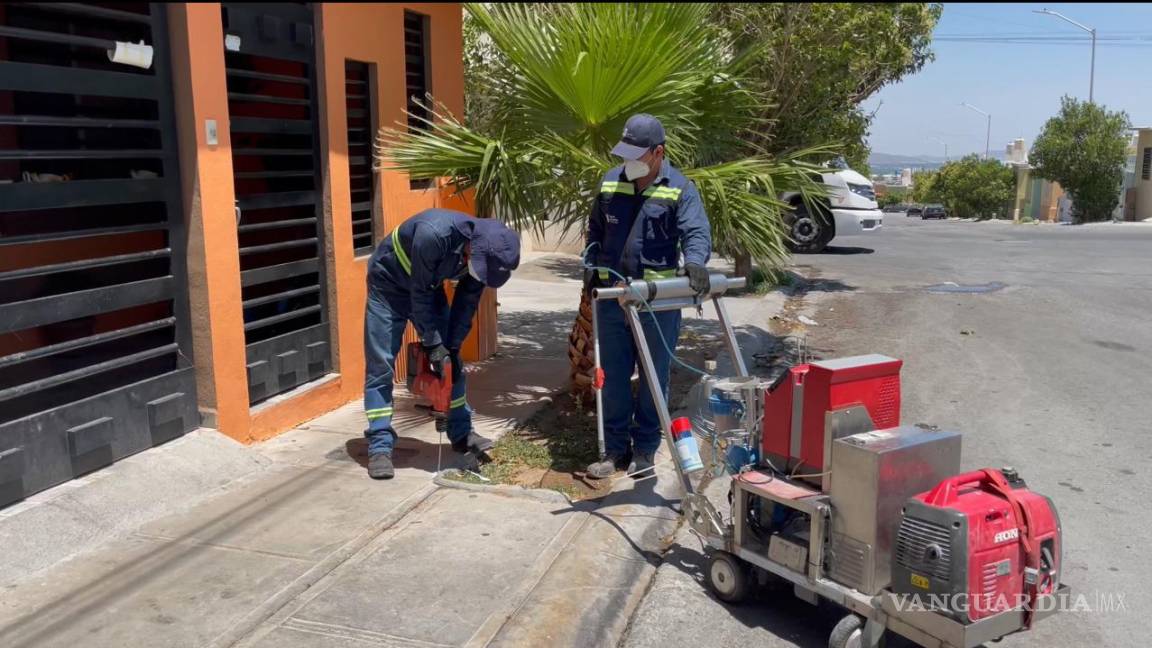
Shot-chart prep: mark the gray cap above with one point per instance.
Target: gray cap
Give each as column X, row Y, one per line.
column 641, row 134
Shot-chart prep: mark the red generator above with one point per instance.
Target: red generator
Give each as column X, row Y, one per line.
column 797, row 433
column 976, row 545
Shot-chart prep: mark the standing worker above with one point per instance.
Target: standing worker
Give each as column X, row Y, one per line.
column 405, row 283
column 646, row 222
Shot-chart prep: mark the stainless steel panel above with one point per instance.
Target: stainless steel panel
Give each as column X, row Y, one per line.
column 873, row 474
column 838, row 424
column 790, row 554
column 849, row 562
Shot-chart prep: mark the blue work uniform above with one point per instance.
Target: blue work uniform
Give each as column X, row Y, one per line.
column 647, row 234
column 406, row 278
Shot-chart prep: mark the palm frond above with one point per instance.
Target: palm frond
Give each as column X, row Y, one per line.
column 506, row 178
column 742, row 200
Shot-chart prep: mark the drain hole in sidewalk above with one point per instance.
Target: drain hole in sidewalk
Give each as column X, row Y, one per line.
column 952, row 287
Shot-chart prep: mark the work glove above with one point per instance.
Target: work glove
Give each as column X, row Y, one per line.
column 698, row 279
column 437, row 355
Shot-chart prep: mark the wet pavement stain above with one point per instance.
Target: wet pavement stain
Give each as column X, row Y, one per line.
column 1113, row 346
column 953, row 287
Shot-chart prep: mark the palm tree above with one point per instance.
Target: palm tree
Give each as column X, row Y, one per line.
column 572, row 75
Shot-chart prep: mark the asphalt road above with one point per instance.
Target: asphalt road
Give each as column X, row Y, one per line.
column 1047, row 367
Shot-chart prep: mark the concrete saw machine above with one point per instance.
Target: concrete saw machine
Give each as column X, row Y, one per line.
column 831, row 493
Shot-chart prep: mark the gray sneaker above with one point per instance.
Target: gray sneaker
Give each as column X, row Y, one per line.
column 380, row 466
column 607, row 466
column 643, row 465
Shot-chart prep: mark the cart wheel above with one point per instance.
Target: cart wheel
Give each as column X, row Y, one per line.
column 848, row 633
column 728, row 577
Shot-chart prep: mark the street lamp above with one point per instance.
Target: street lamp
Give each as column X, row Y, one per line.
column 1090, row 30
column 937, row 139
column 988, row 133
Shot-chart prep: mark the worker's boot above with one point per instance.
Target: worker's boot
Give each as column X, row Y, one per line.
column 643, row 465
column 380, row 466
column 608, row 465
column 473, row 443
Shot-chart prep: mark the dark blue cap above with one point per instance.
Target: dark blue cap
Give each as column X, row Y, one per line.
column 495, row 251
column 641, row 133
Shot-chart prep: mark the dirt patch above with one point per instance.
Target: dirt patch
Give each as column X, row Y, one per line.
column 553, row 448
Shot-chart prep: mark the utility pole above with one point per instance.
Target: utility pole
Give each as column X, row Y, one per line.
column 937, row 139
column 988, row 132
column 1092, row 32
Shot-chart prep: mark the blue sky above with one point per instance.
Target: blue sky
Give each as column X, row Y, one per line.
column 1020, row 85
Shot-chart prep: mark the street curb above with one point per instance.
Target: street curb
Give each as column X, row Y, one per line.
column 503, row 490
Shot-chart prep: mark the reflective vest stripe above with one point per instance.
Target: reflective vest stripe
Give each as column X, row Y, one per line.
column 662, row 192
column 651, row 275
column 617, row 187
column 401, row 255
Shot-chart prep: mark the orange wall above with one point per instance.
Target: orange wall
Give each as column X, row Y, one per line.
column 371, row 33
column 213, row 251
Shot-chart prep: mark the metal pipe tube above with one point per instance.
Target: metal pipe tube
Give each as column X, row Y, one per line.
column 639, row 290
column 649, row 369
column 730, row 336
column 661, row 305
column 596, row 376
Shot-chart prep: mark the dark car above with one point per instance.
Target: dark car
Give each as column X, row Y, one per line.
column 913, row 211
column 934, row 211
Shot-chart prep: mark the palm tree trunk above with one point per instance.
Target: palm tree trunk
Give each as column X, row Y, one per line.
column 580, row 352
column 743, row 268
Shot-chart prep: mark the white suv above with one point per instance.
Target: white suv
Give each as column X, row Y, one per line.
column 849, row 209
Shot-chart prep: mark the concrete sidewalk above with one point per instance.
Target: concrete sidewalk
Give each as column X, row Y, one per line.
column 307, row 551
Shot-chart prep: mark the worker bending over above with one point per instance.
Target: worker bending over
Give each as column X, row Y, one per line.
column 646, row 222
column 405, row 283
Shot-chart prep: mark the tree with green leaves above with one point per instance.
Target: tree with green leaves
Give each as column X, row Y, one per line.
column 817, row 62
column 569, row 77
column 1084, row 148
column 924, row 188
column 972, row 187
column 891, row 198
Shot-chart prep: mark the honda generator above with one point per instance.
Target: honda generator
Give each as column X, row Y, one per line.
column 976, row 545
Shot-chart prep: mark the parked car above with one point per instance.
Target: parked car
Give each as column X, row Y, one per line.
column 898, row 208
column 849, row 209
column 913, row 211
column 934, row 211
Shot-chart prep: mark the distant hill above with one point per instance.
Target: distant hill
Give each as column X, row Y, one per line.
column 907, row 160
column 889, row 163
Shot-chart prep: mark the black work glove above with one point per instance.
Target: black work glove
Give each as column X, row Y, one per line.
column 437, row 355
column 698, row 279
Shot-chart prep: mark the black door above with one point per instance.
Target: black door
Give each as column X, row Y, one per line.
column 270, row 59
column 94, row 336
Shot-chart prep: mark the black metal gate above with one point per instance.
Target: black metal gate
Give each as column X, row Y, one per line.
column 270, row 59
column 94, row 338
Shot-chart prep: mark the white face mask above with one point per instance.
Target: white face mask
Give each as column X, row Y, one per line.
column 635, row 169
column 472, row 270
